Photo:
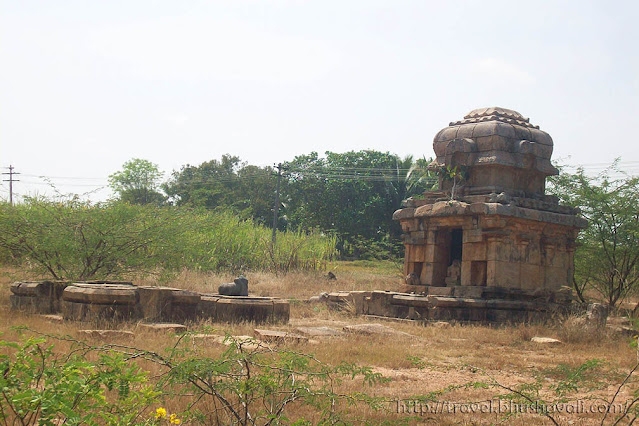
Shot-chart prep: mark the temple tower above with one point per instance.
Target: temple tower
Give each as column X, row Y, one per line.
column 490, row 224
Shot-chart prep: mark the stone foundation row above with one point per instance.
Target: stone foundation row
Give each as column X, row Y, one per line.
column 448, row 307
column 117, row 301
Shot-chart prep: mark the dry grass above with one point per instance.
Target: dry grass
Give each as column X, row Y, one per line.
column 431, row 360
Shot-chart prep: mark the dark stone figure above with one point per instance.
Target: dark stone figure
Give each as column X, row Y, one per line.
column 239, row 287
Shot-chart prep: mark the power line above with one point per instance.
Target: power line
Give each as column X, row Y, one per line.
column 11, row 173
column 64, row 177
column 66, row 184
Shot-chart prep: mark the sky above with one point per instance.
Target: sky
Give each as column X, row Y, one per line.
column 86, row 85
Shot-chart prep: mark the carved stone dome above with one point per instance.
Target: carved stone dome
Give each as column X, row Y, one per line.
column 500, row 148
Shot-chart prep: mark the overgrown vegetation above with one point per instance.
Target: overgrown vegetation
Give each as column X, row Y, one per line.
column 248, row 384
column 607, row 256
column 76, row 240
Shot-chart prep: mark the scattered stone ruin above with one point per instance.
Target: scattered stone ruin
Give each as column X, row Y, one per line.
column 123, row 301
column 489, row 244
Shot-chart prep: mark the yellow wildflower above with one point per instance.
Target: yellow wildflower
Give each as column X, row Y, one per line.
column 174, row 420
column 160, row 413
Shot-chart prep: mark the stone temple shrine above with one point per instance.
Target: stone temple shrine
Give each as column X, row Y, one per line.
column 490, row 224
column 488, row 245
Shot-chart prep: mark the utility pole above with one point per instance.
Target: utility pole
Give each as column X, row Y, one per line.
column 276, row 206
column 11, row 180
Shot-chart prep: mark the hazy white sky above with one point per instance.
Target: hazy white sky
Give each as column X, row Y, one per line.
column 87, row 85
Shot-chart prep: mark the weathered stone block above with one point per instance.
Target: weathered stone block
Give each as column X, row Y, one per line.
column 155, row 302
column 531, row 277
column 503, row 274
column 380, row 303
column 281, row 311
column 440, row 291
column 358, row 299
column 207, row 307
column 468, row 291
column 101, row 295
column 239, row 309
column 411, row 301
column 38, row 297
column 31, row 304
column 76, row 311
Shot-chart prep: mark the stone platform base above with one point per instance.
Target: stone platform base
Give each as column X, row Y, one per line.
column 41, row 297
column 244, row 308
column 476, row 304
column 124, row 301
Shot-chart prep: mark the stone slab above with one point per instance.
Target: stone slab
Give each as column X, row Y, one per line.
column 163, row 327
column 389, row 319
column 439, row 291
column 545, row 340
column 374, row 329
column 319, row 331
column 276, row 336
column 409, row 300
column 113, row 295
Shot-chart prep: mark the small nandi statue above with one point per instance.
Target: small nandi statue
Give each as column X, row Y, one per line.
column 239, row 287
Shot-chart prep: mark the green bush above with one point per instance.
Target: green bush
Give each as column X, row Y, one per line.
column 79, row 241
column 40, row 387
column 248, row 384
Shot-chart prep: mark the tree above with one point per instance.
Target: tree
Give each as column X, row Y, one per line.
column 138, row 182
column 352, row 194
column 227, row 183
column 75, row 240
column 607, row 257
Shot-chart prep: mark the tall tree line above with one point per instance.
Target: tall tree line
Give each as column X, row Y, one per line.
column 351, row 195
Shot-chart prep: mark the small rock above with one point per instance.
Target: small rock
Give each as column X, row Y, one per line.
column 622, row 329
column 323, row 297
column 412, row 279
column 53, row 318
column 597, row 314
column 545, row 340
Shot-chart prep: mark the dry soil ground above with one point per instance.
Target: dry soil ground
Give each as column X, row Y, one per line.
column 430, row 359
